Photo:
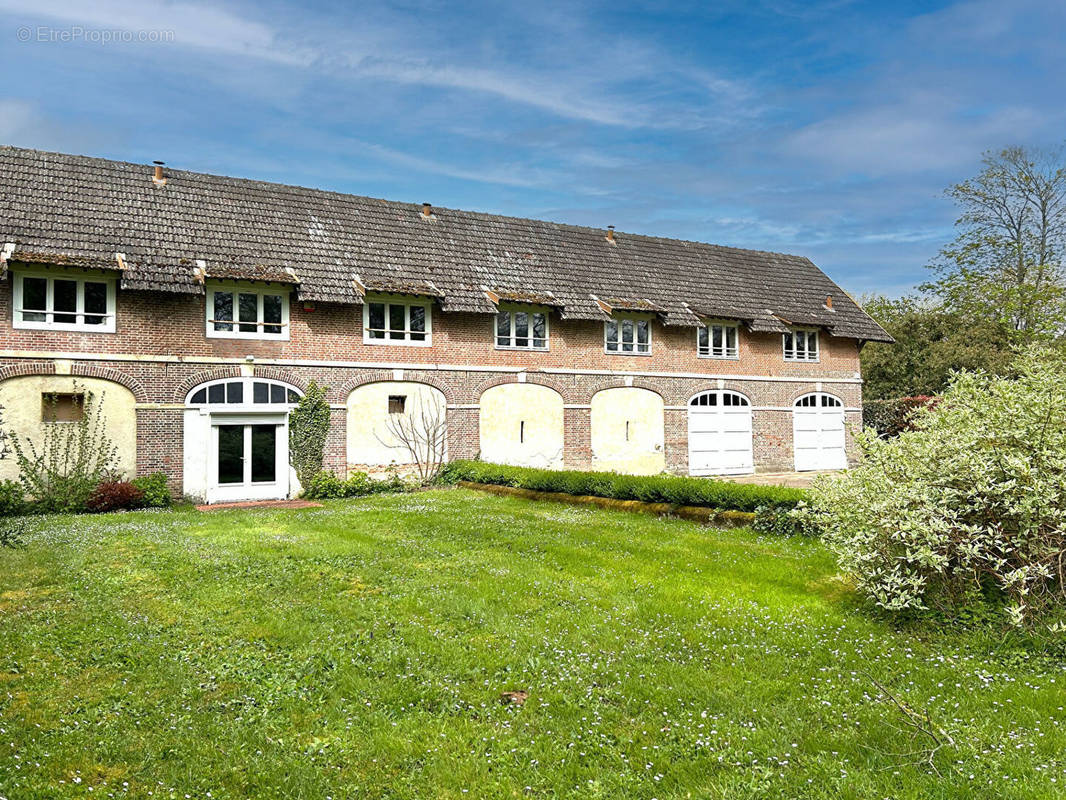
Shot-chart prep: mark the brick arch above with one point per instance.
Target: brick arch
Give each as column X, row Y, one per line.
column 621, row 384
column 386, row 376
column 283, row 375
column 186, row 386
column 108, row 374
column 531, row 377
column 27, row 368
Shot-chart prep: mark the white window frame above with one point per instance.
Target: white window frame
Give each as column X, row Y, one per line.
column 530, row 310
column 247, row 394
column 809, row 356
column 236, row 289
column 619, row 318
column 51, row 276
column 408, row 304
column 726, row 354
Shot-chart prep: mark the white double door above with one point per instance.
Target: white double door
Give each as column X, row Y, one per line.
column 719, row 435
column 248, row 458
column 818, row 436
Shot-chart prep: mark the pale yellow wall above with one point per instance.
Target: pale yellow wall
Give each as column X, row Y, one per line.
column 370, row 442
column 643, row 453
column 504, row 408
column 21, row 399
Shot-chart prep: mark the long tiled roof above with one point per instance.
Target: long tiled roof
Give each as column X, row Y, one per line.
column 82, row 211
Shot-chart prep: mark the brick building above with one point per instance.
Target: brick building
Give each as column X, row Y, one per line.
column 198, row 307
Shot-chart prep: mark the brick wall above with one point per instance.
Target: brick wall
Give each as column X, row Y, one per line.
column 156, row 328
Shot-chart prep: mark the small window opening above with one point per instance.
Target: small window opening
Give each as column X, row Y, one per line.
column 522, row 432
column 62, row 407
column 627, row 430
column 397, row 403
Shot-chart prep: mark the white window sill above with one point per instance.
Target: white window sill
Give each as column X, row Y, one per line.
column 626, row 353
column 52, row 326
column 719, row 358
column 261, row 337
column 397, row 342
column 521, row 349
column 802, row 360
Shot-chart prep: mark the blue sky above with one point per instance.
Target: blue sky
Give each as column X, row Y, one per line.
column 828, row 129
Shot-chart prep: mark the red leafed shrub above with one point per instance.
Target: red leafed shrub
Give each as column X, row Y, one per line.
column 115, row 496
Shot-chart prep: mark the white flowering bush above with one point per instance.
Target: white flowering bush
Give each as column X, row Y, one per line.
column 970, row 505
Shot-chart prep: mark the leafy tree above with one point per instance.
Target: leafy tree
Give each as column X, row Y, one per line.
column 931, row 343
column 308, row 428
column 1006, row 263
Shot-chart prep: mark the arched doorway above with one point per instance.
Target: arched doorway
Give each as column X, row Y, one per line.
column 818, row 439
column 719, row 434
column 237, row 440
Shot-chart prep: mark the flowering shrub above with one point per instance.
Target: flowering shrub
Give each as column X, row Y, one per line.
column 114, row 496
column 970, row 504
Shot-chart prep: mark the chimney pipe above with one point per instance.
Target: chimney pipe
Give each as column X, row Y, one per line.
column 610, row 233
column 427, row 210
column 158, row 177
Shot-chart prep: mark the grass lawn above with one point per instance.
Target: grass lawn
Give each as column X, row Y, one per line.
column 360, row 650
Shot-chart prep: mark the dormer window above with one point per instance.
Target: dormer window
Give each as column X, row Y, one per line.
column 71, row 301
column 717, row 340
column 397, row 321
column 801, row 344
column 247, row 312
column 521, row 329
column 627, row 334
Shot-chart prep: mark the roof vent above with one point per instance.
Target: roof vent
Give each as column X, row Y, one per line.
column 427, row 211
column 610, row 234
column 158, row 177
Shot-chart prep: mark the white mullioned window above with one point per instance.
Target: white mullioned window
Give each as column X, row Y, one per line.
column 247, row 312
column 521, row 329
column 72, row 301
column 800, row 344
column 627, row 334
column 397, row 321
column 718, row 340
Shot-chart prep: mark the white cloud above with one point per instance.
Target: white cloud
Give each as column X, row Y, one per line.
column 192, row 24
column 921, row 133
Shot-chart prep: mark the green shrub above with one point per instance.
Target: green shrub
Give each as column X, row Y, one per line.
column 327, row 486
column 892, row 417
column 969, row 506
column 12, row 499
column 324, row 486
column 73, row 458
column 672, row 489
column 154, row 489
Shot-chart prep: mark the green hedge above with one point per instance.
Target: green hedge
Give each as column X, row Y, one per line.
column 673, row 489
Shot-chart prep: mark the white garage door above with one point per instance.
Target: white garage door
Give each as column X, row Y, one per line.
column 818, row 432
column 719, row 434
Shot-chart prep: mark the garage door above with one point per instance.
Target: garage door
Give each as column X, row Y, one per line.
column 818, row 432
column 719, row 434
